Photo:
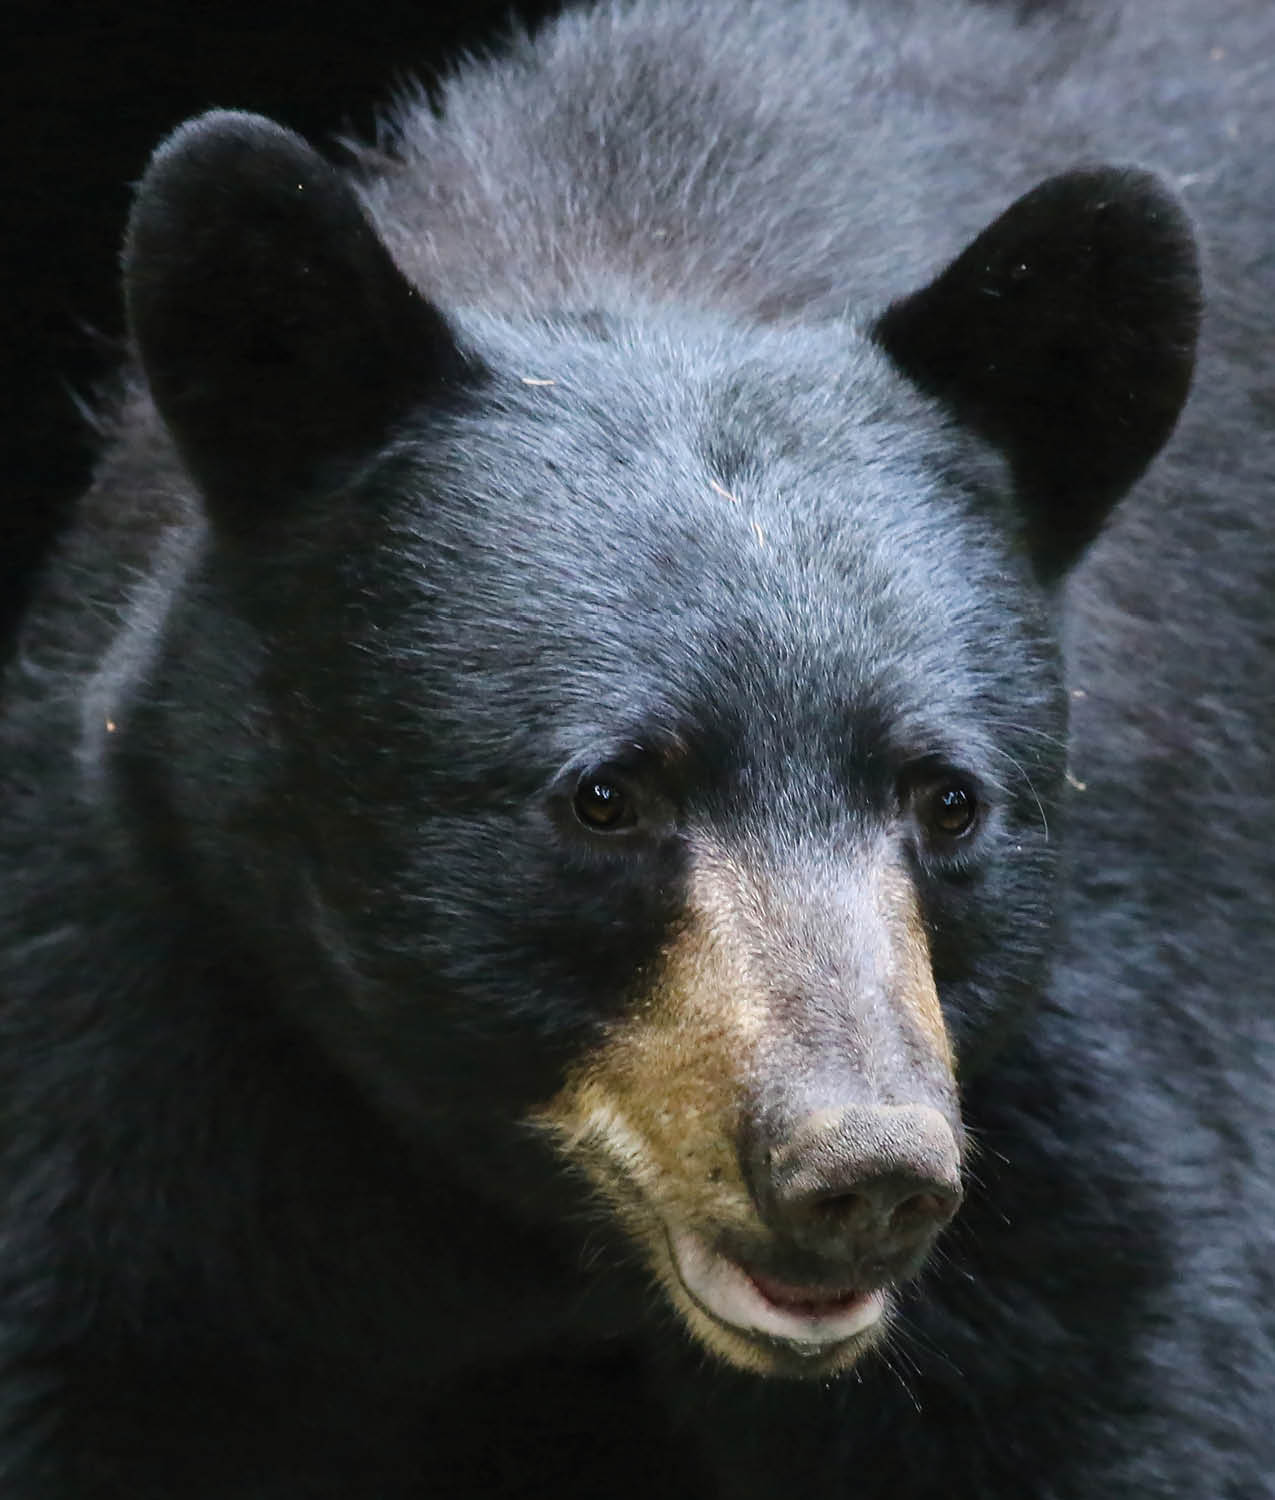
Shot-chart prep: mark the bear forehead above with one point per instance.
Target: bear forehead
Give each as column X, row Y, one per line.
column 740, row 637
column 706, row 535
column 768, row 493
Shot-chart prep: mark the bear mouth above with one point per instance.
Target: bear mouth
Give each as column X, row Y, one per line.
column 808, row 1321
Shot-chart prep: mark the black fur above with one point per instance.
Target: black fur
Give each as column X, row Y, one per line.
column 644, row 443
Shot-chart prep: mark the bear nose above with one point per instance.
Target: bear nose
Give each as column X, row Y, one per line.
column 866, row 1181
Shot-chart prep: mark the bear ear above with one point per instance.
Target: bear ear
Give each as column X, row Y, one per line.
column 279, row 339
column 1065, row 334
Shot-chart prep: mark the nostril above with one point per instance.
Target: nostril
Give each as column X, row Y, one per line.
column 880, row 1206
column 919, row 1210
column 839, row 1210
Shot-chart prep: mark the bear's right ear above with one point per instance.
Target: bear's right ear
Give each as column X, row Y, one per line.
column 279, row 339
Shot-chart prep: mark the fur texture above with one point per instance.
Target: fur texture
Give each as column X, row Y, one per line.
column 606, row 439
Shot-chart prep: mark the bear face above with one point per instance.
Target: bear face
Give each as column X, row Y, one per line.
column 635, row 739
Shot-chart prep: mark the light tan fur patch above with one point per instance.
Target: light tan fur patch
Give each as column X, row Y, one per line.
column 914, row 983
column 659, row 1103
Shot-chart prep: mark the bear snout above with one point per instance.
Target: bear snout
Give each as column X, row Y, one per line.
column 861, row 1184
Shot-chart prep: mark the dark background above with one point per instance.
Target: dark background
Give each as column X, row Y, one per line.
column 90, row 87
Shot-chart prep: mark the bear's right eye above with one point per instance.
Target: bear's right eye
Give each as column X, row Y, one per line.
column 602, row 803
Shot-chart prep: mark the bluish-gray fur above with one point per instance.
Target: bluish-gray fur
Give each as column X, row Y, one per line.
column 293, row 936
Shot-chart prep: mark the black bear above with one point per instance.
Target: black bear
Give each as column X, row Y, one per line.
column 620, row 871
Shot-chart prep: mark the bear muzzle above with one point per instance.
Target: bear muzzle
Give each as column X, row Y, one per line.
column 848, row 1206
column 786, row 1153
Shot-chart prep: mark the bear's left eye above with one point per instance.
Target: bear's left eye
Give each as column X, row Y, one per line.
column 602, row 803
column 948, row 809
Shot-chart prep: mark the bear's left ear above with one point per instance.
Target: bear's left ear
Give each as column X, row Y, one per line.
column 279, row 339
column 1065, row 334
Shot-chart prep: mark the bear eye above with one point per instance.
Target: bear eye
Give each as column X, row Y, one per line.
column 602, row 803
column 948, row 809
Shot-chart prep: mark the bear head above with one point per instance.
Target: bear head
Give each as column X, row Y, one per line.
column 631, row 739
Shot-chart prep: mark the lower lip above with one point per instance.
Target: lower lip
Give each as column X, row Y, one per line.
column 809, row 1302
column 807, row 1319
